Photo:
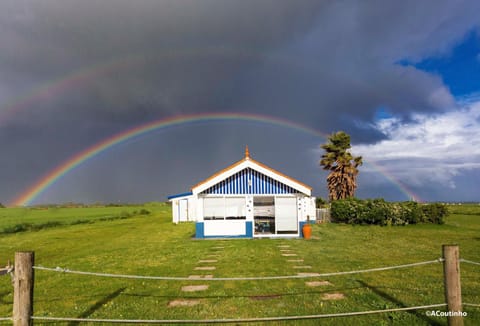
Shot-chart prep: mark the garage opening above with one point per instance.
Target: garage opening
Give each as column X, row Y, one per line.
column 275, row 215
column 264, row 214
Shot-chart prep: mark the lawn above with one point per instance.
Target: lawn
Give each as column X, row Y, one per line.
column 150, row 244
column 17, row 219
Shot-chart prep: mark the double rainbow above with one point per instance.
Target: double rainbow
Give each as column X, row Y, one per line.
column 29, row 196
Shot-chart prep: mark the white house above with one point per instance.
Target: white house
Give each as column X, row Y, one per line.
column 247, row 199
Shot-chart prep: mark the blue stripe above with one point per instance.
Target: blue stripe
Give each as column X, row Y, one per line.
column 180, row 195
column 249, row 181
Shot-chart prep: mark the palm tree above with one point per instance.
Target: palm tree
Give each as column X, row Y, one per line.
column 341, row 180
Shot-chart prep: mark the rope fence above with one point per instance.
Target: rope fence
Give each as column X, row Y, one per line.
column 239, row 320
column 469, row 262
column 22, row 276
column 254, row 278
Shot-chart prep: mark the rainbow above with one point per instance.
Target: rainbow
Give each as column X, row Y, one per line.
column 83, row 75
column 54, row 175
column 57, row 86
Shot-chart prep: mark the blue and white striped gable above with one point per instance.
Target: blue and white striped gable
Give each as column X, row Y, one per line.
column 249, row 181
column 250, row 177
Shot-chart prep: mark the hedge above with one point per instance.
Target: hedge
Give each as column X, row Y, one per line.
column 380, row 212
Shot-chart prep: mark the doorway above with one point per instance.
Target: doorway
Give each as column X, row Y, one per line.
column 264, row 214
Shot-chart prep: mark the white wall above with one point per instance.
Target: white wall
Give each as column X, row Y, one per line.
column 191, row 208
column 224, row 228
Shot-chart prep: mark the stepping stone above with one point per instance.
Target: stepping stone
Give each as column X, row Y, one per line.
column 208, row 261
column 289, row 255
column 302, row 267
column 333, row 296
column 283, row 246
column 205, row 268
column 218, row 248
column 194, row 288
column 183, row 303
column 295, row 260
column 308, row 274
column 318, row 283
column 213, row 256
column 200, row 276
column 286, row 250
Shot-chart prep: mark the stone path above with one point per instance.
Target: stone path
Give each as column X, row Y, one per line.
column 194, row 288
column 205, row 268
column 292, row 258
column 204, row 264
column 295, row 263
column 317, row 283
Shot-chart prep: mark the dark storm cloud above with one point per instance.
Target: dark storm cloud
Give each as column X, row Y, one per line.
column 185, row 55
column 326, row 64
column 171, row 41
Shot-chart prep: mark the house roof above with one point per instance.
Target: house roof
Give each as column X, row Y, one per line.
column 185, row 194
column 248, row 162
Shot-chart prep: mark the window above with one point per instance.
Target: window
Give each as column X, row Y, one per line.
column 221, row 208
column 235, row 208
column 214, row 208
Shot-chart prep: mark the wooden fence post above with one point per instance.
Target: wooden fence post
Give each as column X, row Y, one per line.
column 453, row 289
column 23, row 288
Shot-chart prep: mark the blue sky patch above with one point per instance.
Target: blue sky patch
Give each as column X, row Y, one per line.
column 460, row 70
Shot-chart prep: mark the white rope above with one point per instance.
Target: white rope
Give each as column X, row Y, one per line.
column 6, row 318
column 171, row 278
column 6, row 270
column 471, row 304
column 240, row 320
column 469, row 261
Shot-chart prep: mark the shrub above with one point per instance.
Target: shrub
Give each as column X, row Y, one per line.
column 435, row 213
column 344, row 211
column 380, row 212
column 17, row 228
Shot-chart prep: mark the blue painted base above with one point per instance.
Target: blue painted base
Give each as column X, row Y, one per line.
column 300, row 225
column 199, row 230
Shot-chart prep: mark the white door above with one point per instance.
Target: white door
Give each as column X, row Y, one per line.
column 286, row 214
column 183, row 210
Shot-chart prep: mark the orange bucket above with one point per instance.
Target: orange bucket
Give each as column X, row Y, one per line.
column 307, row 231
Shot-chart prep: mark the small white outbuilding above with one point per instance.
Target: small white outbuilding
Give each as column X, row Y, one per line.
column 247, row 199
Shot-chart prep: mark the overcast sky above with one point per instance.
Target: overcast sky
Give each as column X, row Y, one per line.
column 401, row 77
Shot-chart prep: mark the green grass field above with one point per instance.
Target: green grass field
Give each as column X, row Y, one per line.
column 107, row 241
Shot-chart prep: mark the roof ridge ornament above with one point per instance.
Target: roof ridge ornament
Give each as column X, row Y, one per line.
column 247, row 152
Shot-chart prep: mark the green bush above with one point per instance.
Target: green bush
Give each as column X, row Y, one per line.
column 435, row 213
column 380, row 212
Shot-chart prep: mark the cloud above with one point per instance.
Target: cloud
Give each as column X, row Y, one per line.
column 75, row 72
column 428, row 150
column 299, row 60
